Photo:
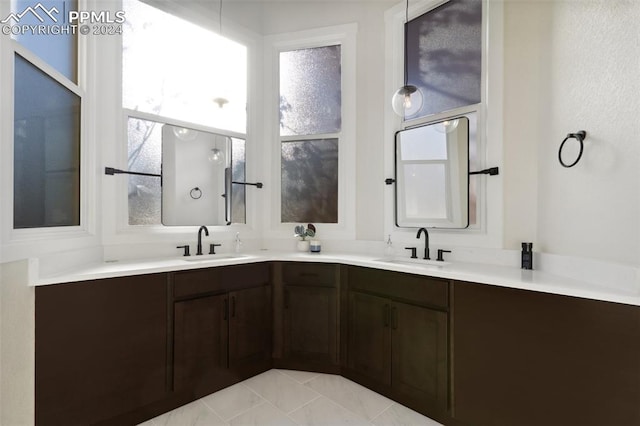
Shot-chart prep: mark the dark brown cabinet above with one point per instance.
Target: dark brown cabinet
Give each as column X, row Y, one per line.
column 397, row 345
column 200, row 342
column 250, row 327
column 529, row 358
column 221, row 327
column 369, row 344
column 101, row 348
column 419, row 354
column 123, row 350
column 310, row 316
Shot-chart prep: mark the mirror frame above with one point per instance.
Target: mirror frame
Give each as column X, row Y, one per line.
column 427, row 222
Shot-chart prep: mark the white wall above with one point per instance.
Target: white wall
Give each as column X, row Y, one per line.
column 569, row 66
column 17, row 351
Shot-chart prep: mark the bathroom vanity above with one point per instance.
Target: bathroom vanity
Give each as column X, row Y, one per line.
column 126, row 348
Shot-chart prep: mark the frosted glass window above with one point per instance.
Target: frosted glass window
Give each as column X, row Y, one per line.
column 444, row 56
column 426, row 191
column 145, row 156
column 310, row 181
column 180, row 70
column 56, row 45
column 46, row 150
column 310, row 91
column 238, row 174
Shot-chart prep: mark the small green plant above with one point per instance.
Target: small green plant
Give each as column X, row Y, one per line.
column 303, row 233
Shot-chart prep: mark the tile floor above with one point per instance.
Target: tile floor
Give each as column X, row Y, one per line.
column 286, row 397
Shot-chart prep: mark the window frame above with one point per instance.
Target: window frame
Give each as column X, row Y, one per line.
column 116, row 219
column 87, row 226
column 488, row 229
column 345, row 36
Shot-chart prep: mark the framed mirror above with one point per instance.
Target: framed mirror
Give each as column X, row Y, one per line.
column 432, row 175
column 198, row 171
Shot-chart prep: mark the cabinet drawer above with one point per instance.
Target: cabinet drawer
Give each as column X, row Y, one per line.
column 237, row 277
column 223, row 278
column 197, row 281
column 413, row 288
column 312, row 274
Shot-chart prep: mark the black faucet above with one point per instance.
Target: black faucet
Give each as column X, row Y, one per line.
column 426, row 242
column 206, row 232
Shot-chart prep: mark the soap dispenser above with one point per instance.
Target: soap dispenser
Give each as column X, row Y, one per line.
column 527, row 256
column 238, row 243
column 389, row 251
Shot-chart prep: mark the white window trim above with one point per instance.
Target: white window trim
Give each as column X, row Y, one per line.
column 21, row 243
column 489, row 230
column 345, row 36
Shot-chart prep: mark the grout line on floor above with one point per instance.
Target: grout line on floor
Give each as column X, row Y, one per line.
column 383, row 411
column 306, row 403
column 264, row 401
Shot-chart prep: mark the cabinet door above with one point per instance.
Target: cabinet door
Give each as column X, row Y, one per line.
column 101, row 348
column 370, row 336
column 200, row 342
column 527, row 358
column 250, row 326
column 419, row 354
column 311, row 323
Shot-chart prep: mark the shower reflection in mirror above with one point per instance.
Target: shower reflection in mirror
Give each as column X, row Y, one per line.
column 209, row 162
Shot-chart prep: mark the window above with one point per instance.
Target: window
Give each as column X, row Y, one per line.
column 444, row 60
column 444, row 56
column 175, row 72
column 47, row 106
column 58, row 49
column 310, row 126
column 46, row 150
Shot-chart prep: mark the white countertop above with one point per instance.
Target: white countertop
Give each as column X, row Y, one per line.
column 502, row 276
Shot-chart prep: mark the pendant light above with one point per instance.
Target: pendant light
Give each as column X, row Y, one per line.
column 408, row 99
column 221, row 101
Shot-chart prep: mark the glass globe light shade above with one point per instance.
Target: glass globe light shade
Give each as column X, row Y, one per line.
column 216, row 156
column 185, row 134
column 407, row 101
column 447, row 126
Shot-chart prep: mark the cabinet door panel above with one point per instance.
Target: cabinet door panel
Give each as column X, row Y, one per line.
column 369, row 336
column 527, row 358
column 419, row 354
column 311, row 323
column 200, row 342
column 100, row 348
column 250, row 325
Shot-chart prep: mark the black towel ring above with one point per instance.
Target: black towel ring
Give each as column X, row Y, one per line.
column 195, row 193
column 579, row 136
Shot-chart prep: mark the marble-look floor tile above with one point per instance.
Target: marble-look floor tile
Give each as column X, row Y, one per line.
column 399, row 415
column 300, row 376
column 192, row 414
column 147, row 423
column 234, row 400
column 264, row 414
column 350, row 395
column 323, row 411
column 281, row 390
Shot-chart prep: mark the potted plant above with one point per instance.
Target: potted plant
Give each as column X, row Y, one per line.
column 302, row 232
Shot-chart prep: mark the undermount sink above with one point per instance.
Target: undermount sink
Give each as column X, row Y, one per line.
column 415, row 262
column 211, row 257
